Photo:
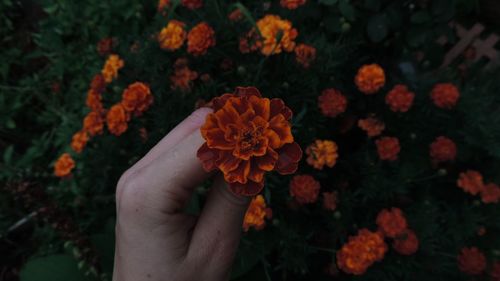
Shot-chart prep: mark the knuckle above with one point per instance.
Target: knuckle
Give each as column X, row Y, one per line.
column 129, row 193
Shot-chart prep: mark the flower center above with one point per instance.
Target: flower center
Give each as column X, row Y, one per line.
column 250, row 138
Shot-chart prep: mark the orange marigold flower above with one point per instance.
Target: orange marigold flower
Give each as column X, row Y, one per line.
column 445, row 95
column 471, row 261
column 111, row 67
column 105, row 46
column 278, row 35
column 471, row 182
column 304, row 188
column 137, row 98
column 391, row 222
column 172, row 36
column 117, row 119
column 372, row 126
column 162, row 4
column 400, row 99
column 79, row 141
column 256, row 214
column 192, row 4
column 93, row 123
column 200, row 38
column 183, row 76
column 93, row 101
column 490, row 193
column 235, row 15
column 406, row 243
column 443, row 149
column 330, row 200
column 246, row 136
column 495, row 272
column 305, row 55
column 370, row 78
column 292, row 4
column 98, row 83
column 64, row 165
column 332, row 102
column 321, row 153
column 388, row 148
column 361, row 251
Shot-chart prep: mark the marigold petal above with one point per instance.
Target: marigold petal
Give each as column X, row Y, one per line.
column 249, row 189
column 219, row 102
column 239, row 174
column 208, row 157
column 256, row 174
column 289, row 156
column 261, row 106
column 274, row 139
column 227, row 115
column 227, row 162
column 268, row 161
column 247, row 92
column 281, row 126
column 278, row 107
column 216, row 139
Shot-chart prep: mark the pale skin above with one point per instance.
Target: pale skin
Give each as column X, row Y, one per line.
column 155, row 239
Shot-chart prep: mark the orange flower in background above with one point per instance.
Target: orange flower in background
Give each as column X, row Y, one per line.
column 192, row 4
column 495, row 271
column 93, row 123
column 400, row 99
column 391, row 222
column 406, row 243
column 64, row 165
column 235, row 15
column 372, row 126
column 256, row 214
column 330, row 200
column 332, row 102
column 105, row 46
column 93, row 101
column 111, row 67
column 305, row 55
column 490, row 193
column 251, row 42
column 98, row 83
column 361, row 251
column 304, row 188
column 162, row 4
column 292, row 4
column 183, row 76
column 278, row 35
column 443, row 149
column 388, row 148
column 200, row 38
column 445, row 95
column 471, row 261
column 79, row 141
column 471, row 182
column 370, row 78
column 172, row 36
column 137, row 98
column 117, row 119
column 321, row 153
column 246, row 136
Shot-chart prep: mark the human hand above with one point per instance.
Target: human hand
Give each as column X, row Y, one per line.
column 155, row 239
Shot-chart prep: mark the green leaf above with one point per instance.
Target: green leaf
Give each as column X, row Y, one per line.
column 439, row 7
column 421, row 17
column 7, row 155
column 373, row 5
column 328, row 2
column 377, row 28
column 53, row 268
column 347, row 10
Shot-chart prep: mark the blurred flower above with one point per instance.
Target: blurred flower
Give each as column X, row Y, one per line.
column 200, row 38
column 391, row 222
column 370, row 78
column 400, row 99
column 162, row 4
column 235, row 15
column 443, row 149
column 292, row 4
column 111, row 67
column 183, row 76
column 98, row 83
column 330, row 200
column 79, row 141
column 137, row 98
column 471, row 182
column 246, row 136
column 471, row 261
column 321, row 153
column 64, row 165
column 388, row 148
column 304, row 188
column 406, row 243
column 277, row 35
column 93, row 101
column 117, row 119
column 490, row 193
column 332, row 102
column 93, row 123
column 251, row 42
column 372, row 126
column 105, row 46
column 192, row 4
column 305, row 55
column 172, row 36
column 495, row 271
column 445, row 95
column 256, row 214
column 361, row 251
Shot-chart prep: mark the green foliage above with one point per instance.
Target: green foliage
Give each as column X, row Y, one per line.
column 55, row 267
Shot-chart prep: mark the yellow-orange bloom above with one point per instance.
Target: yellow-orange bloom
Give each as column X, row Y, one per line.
column 370, row 78
column 93, row 123
column 361, row 251
column 162, row 4
column 183, row 76
column 111, row 67
column 321, row 153
column 172, row 36
column 137, row 98
column 200, row 38
column 372, row 126
column 278, row 35
column 256, row 214
column 79, row 141
column 305, row 55
column 64, row 165
column 117, row 119
column 292, row 4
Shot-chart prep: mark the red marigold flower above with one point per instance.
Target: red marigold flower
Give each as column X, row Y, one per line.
column 332, row 102
column 98, row 83
column 292, row 4
column 321, row 153
column 137, row 98
column 471, row 261
column 64, row 165
column 495, row 272
column 79, row 141
column 192, row 4
column 330, row 200
column 305, row 55
column 388, row 148
column 400, row 99
column 370, row 78
column 445, row 95
column 235, row 15
column 372, row 126
column 361, row 251
column 471, row 182
column 117, row 119
column 172, row 36
column 93, row 101
column 251, row 42
column 183, row 76
column 443, row 149
column 200, row 38
column 246, row 136
column 256, row 214
column 406, row 243
column 391, row 222
column 105, row 46
column 304, row 188
column 490, row 193
column 93, row 123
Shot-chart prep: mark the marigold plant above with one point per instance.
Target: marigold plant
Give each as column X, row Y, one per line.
column 370, row 78
column 443, row 149
column 64, row 165
column 388, row 148
column 93, row 123
column 445, row 95
column 391, row 222
column 111, row 68
column 304, row 189
column 406, row 243
column 200, row 38
column 277, row 35
column 400, row 99
column 305, row 55
column 332, row 102
column 322, row 153
column 79, row 141
column 172, row 36
column 372, row 126
column 116, row 119
column 471, row 261
column 292, row 4
column 137, row 98
column 256, row 214
column 471, row 182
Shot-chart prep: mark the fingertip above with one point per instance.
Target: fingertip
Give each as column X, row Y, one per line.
column 198, row 117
